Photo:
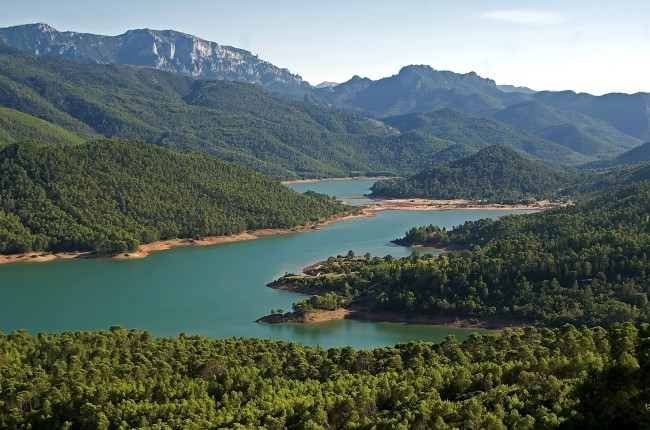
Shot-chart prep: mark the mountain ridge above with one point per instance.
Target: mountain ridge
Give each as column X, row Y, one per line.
column 170, row 50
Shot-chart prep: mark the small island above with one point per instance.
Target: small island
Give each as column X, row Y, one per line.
column 338, row 292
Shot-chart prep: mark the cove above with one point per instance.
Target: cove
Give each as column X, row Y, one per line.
column 217, row 291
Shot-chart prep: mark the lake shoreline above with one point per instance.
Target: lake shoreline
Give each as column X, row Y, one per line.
column 367, row 211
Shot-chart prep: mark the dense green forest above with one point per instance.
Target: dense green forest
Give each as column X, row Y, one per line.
column 525, row 379
column 582, row 264
column 113, row 196
column 494, row 174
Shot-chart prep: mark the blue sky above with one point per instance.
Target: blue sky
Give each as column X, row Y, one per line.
column 588, row 46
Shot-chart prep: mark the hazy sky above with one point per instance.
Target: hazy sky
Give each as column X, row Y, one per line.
column 584, row 45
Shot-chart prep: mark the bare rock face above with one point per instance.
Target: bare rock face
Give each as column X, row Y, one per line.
column 167, row 50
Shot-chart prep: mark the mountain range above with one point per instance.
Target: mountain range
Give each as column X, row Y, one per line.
column 398, row 124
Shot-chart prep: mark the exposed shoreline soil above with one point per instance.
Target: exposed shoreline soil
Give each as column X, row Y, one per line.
column 320, row 316
column 441, row 205
column 161, row 245
column 353, row 178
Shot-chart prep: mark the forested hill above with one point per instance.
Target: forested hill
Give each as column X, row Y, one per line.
column 524, row 379
column 112, row 196
column 478, row 133
column 16, row 126
column 234, row 121
column 582, row 264
column 496, row 174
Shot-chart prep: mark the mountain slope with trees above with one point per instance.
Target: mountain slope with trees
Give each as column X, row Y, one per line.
column 628, row 113
column 635, row 155
column 113, row 196
column 494, row 174
column 572, row 130
column 479, row 133
column 420, row 88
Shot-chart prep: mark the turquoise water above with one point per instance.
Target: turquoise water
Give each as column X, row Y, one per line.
column 216, row 291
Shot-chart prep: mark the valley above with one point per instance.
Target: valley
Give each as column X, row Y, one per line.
column 419, row 248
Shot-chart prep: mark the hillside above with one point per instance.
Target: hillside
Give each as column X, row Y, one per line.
column 572, row 130
column 16, row 126
column 479, row 133
column 168, row 50
column 494, row 174
column 113, row 196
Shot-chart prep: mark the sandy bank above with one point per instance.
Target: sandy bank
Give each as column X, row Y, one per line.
column 315, row 317
column 437, row 205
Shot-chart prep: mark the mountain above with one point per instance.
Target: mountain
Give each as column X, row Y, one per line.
column 327, row 84
column 496, row 174
column 234, row 121
column 112, row 196
column 167, row 50
column 628, row 113
column 16, row 126
column 477, row 133
column 419, row 88
column 513, row 88
column 578, row 132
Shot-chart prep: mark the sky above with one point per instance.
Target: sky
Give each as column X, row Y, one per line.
column 582, row 45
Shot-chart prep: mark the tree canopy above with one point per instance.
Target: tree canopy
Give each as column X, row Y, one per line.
column 526, row 379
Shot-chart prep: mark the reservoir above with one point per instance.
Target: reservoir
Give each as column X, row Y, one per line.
column 217, row 291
